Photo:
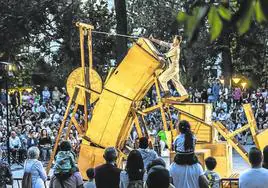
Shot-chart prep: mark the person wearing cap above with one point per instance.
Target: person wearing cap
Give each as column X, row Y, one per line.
column 108, row 175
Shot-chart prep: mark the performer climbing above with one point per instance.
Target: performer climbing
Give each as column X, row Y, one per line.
column 172, row 72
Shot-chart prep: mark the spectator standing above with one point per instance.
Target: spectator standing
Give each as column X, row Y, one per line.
column 265, row 157
column 5, row 173
column 157, row 181
column 256, row 176
column 163, row 140
column 56, row 96
column 108, row 175
column 91, row 179
column 148, row 155
column 158, row 177
column 133, row 175
column 216, row 90
column 185, row 171
column 237, row 94
column 213, row 177
column 46, row 94
column 66, row 174
column 35, row 167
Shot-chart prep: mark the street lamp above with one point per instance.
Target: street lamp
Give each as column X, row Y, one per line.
column 236, row 79
column 8, row 72
column 243, row 84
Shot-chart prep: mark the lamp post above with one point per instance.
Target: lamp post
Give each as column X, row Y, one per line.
column 8, row 69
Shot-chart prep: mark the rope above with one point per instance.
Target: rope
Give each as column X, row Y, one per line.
column 115, row 34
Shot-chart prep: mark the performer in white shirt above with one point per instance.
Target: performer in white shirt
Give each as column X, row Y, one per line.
column 172, row 72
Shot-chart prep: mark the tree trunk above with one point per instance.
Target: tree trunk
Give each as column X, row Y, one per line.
column 121, row 28
column 226, row 60
column 226, row 53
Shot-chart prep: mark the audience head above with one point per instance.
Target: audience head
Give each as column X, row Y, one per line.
column 90, row 173
column 143, row 143
column 44, row 133
column 156, row 162
column 255, row 157
column 265, row 154
column 13, row 134
column 33, row 153
column 158, row 177
column 65, row 146
column 135, row 165
column 110, row 154
column 185, row 128
column 211, row 163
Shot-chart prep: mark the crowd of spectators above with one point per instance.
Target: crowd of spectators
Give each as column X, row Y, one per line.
column 35, row 116
column 34, row 119
column 139, row 171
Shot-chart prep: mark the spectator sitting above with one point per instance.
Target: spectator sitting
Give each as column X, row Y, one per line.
column 222, row 116
column 45, row 144
column 256, row 176
column 265, row 157
column 91, row 182
column 133, row 175
column 213, row 177
column 108, row 175
column 65, row 161
column 5, row 173
column 147, row 154
column 15, row 146
column 35, row 167
column 31, row 140
column 185, row 171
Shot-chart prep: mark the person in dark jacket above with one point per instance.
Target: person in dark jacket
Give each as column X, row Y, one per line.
column 31, row 140
column 108, row 175
column 5, row 173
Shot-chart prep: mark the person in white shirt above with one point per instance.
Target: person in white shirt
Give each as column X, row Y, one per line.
column 15, row 146
column 256, row 176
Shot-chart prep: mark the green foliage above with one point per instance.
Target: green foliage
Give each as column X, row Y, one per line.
column 215, row 23
column 247, row 12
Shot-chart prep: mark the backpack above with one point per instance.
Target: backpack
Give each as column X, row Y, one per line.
column 27, row 177
column 135, row 184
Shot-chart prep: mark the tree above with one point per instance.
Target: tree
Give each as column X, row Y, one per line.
column 47, row 29
column 121, row 28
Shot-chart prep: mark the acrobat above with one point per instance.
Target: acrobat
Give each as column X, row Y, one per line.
column 172, row 72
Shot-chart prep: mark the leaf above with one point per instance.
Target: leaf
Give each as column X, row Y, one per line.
column 225, row 13
column 182, row 16
column 193, row 22
column 215, row 23
column 260, row 17
column 264, row 7
column 245, row 20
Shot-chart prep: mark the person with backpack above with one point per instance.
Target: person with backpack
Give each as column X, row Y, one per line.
column 65, row 164
column 66, row 173
column 133, row 175
column 34, row 173
column 5, row 173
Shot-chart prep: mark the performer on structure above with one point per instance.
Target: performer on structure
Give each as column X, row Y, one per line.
column 172, row 72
